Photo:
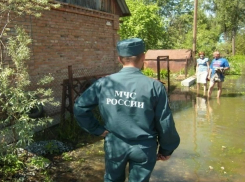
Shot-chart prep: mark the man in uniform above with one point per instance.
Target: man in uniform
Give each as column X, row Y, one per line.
column 136, row 114
column 216, row 73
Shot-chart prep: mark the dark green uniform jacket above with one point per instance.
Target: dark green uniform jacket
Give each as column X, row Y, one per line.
column 133, row 106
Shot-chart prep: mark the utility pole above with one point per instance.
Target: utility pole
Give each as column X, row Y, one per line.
column 194, row 33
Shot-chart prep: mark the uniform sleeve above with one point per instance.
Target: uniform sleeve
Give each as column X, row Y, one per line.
column 168, row 138
column 83, row 108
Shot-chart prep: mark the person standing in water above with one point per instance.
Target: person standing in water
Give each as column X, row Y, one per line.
column 202, row 69
column 216, row 73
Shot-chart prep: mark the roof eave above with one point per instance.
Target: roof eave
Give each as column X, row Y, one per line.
column 123, row 6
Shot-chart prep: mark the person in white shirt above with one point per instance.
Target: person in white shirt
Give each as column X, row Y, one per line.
column 202, row 69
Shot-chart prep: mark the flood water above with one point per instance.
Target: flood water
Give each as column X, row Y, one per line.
column 212, row 133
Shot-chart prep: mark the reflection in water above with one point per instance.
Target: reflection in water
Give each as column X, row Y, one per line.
column 201, row 109
column 212, row 141
column 201, row 115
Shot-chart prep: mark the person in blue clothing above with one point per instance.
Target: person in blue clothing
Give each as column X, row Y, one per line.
column 202, row 69
column 216, row 73
column 138, row 124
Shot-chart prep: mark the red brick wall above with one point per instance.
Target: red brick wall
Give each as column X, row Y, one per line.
column 74, row 36
column 71, row 35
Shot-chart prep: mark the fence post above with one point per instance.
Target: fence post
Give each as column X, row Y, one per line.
column 158, row 68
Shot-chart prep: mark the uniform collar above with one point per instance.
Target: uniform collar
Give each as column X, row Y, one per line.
column 129, row 69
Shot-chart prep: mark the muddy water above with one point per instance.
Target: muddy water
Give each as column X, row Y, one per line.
column 212, row 133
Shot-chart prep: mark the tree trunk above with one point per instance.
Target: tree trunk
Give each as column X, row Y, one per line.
column 233, row 42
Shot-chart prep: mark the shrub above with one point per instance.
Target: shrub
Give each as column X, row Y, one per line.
column 148, row 72
column 163, row 73
column 236, row 62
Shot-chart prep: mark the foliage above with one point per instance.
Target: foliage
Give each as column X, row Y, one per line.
column 148, row 72
column 51, row 147
column 9, row 164
column 178, row 32
column 144, row 23
column 229, row 15
column 182, row 71
column 172, row 9
column 207, row 35
column 163, row 73
column 16, row 100
column 230, row 19
column 177, row 17
column 240, row 42
column 67, row 157
column 191, row 71
column 30, row 7
column 224, row 48
column 215, row 18
column 38, row 162
column 69, row 129
column 237, row 64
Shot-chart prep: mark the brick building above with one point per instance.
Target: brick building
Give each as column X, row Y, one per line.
column 81, row 33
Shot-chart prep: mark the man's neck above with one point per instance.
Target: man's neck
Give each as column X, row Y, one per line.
column 131, row 66
column 127, row 66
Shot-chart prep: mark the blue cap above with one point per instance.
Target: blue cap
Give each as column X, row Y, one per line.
column 130, row 47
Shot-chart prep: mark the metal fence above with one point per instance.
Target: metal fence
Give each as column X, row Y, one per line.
column 57, row 84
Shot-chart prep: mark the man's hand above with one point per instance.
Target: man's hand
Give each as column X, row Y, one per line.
column 162, row 158
column 104, row 133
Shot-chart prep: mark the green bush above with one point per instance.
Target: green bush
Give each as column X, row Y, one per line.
column 237, row 63
column 148, row 72
column 163, row 73
column 10, row 164
column 191, row 71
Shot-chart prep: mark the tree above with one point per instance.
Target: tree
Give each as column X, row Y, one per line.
column 230, row 19
column 208, row 32
column 144, row 23
column 178, row 17
column 16, row 101
column 230, row 15
column 240, row 42
column 171, row 9
column 178, row 30
column 215, row 17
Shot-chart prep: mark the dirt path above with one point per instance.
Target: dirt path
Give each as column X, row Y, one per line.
column 84, row 164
